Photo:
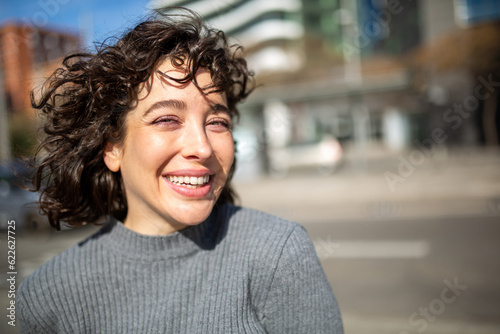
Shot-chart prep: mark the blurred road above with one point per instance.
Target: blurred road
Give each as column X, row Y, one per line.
column 386, row 274
column 422, row 257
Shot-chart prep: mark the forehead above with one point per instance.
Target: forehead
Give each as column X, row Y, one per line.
column 164, row 75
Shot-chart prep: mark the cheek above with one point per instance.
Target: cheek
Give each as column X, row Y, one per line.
column 150, row 149
column 223, row 147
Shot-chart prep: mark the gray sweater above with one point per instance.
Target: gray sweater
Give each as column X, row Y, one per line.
column 240, row 271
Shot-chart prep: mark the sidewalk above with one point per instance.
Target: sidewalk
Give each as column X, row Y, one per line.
column 446, row 184
column 367, row 325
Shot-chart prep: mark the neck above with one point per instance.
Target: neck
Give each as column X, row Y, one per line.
column 152, row 227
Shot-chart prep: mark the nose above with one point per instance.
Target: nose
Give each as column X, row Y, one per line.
column 196, row 144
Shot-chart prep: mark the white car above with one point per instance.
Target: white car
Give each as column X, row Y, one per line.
column 324, row 155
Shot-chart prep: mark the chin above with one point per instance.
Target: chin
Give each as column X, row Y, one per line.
column 192, row 214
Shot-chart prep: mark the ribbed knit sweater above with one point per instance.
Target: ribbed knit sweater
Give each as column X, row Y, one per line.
column 240, row 271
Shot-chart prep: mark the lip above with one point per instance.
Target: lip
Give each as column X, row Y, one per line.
column 200, row 192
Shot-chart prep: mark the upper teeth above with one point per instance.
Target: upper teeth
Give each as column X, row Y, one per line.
column 193, row 180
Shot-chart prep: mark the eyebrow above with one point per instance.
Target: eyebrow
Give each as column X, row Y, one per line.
column 175, row 104
column 181, row 105
column 219, row 108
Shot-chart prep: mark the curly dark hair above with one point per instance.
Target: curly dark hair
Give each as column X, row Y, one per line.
column 84, row 104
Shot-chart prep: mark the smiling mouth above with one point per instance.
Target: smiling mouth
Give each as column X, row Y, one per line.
column 189, row 181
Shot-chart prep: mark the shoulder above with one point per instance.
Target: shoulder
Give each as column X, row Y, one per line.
column 285, row 272
column 70, row 257
column 43, row 294
column 254, row 226
column 266, row 239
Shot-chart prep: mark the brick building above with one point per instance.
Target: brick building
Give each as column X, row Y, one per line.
column 28, row 55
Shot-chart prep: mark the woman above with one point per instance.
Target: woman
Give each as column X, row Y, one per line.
column 139, row 134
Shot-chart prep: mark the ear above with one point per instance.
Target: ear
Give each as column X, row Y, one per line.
column 111, row 157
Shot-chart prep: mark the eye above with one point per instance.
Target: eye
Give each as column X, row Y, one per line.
column 219, row 124
column 167, row 121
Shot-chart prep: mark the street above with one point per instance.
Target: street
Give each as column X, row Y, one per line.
column 389, row 285
column 421, row 259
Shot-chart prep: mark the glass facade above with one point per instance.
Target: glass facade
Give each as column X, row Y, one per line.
column 477, row 11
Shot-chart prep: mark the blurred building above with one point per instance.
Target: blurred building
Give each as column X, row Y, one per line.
column 374, row 74
column 29, row 54
column 457, row 70
column 269, row 29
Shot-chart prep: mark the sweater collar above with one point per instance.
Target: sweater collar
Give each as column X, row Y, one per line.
column 135, row 246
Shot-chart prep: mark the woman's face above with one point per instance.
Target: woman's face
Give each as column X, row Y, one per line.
column 176, row 155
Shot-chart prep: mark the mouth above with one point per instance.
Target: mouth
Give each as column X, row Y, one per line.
column 189, row 181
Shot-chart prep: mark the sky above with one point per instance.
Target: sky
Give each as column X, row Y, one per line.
column 94, row 20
